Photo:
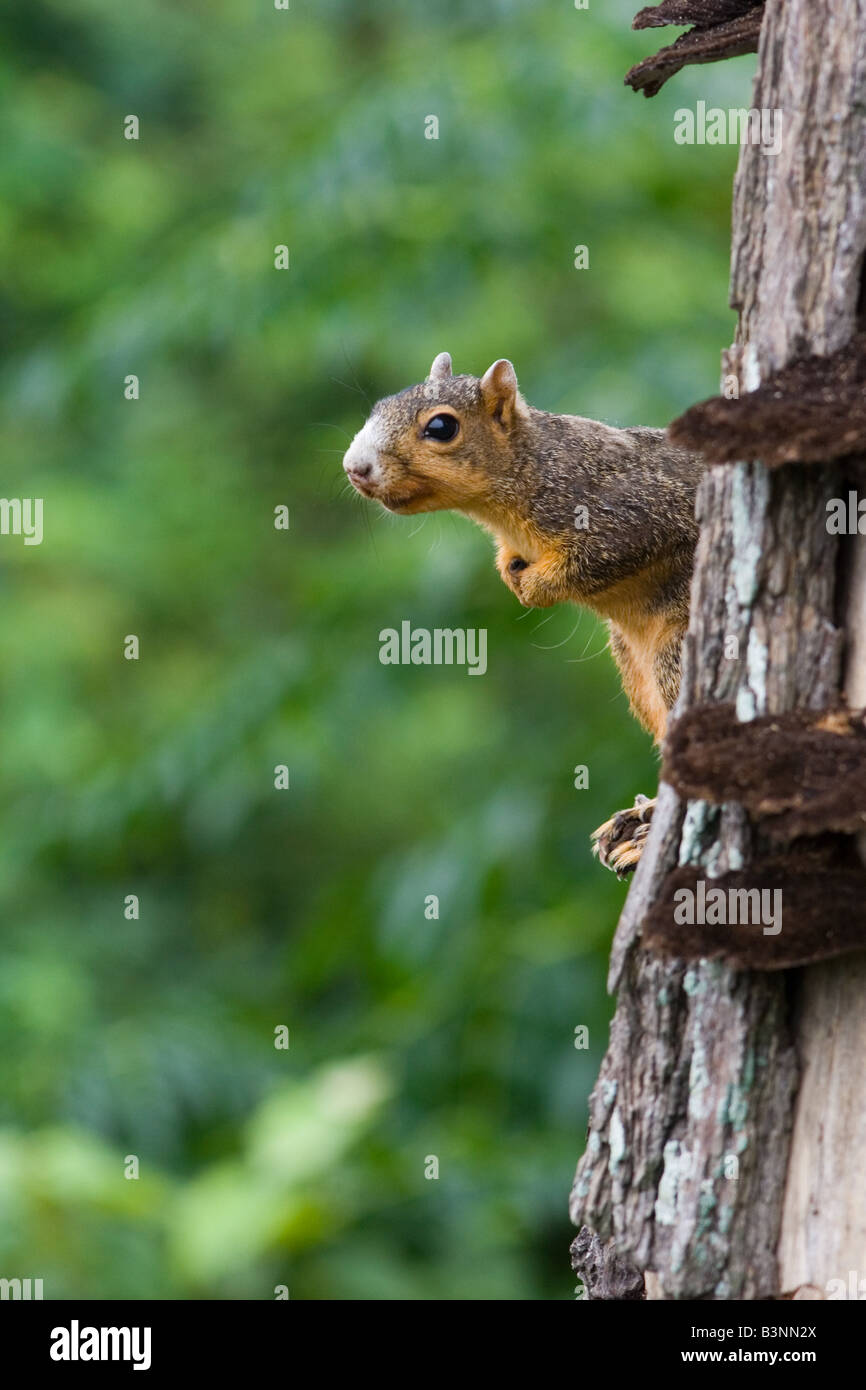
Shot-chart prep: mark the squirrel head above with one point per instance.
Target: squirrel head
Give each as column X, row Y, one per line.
column 440, row 445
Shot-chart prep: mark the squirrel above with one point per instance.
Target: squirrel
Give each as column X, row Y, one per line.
column 581, row 511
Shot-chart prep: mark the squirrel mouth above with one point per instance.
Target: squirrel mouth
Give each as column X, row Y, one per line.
column 366, row 489
column 393, row 501
column 399, row 504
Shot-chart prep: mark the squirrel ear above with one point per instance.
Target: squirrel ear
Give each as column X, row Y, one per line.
column 499, row 390
column 441, row 369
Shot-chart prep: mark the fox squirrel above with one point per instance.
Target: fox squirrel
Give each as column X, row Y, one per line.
column 580, row 511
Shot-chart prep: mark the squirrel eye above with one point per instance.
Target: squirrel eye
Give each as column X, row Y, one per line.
column 442, row 427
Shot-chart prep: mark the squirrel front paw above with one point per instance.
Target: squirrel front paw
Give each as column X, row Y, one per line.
column 530, row 581
column 619, row 842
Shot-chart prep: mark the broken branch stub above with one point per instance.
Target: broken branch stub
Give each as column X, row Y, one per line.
column 802, row 772
column 814, row 409
column 708, row 42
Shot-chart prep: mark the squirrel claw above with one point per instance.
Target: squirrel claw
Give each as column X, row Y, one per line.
column 619, row 842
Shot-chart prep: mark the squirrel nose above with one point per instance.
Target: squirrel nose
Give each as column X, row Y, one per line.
column 361, row 457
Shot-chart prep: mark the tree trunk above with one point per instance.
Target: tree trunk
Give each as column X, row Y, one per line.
column 729, row 1119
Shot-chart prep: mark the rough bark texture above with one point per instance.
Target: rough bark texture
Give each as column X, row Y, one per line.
column 824, row 1222
column 603, row 1274
column 692, row 1116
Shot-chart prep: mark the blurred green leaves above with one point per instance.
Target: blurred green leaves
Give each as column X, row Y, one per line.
column 410, row 1036
column 282, row 1189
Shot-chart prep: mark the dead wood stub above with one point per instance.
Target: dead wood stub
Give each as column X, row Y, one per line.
column 708, row 44
column 814, row 409
column 702, row 12
column 605, row 1275
column 799, row 773
column 793, row 893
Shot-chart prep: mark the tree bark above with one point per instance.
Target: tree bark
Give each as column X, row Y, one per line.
column 691, row 1121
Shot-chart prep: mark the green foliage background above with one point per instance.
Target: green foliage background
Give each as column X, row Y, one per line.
column 409, row 1037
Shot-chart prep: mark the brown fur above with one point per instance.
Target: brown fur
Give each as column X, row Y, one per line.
column 521, row 473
